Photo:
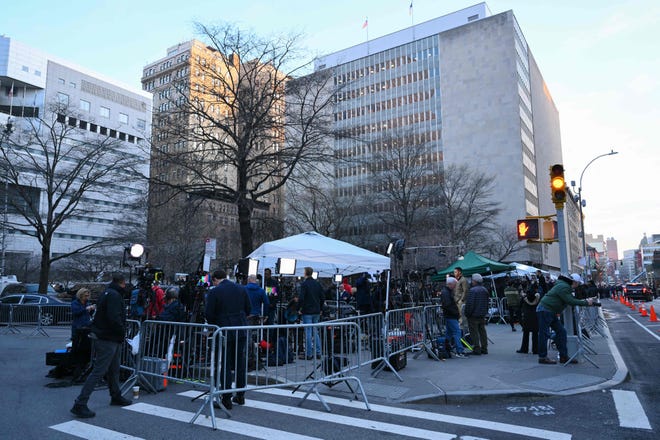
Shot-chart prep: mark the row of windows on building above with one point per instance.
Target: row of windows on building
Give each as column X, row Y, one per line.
column 387, row 104
column 379, row 146
column 26, row 69
column 378, row 165
column 166, row 64
column 344, row 95
column 388, row 124
column 104, row 112
column 99, row 129
column 385, row 65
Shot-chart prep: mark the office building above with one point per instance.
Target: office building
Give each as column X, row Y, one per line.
column 181, row 222
column 36, row 85
column 465, row 85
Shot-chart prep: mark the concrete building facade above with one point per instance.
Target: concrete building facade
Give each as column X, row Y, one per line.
column 30, row 83
column 466, row 84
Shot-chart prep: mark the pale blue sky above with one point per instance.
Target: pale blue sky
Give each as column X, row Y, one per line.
column 599, row 58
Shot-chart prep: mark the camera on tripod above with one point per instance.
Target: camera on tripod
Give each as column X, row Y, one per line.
column 147, row 275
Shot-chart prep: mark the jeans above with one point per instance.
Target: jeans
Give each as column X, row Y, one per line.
column 454, row 333
column 107, row 360
column 312, row 319
column 549, row 320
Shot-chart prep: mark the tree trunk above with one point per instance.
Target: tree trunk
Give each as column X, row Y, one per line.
column 44, row 268
column 245, row 227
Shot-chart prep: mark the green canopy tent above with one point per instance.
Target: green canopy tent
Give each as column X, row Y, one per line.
column 472, row 263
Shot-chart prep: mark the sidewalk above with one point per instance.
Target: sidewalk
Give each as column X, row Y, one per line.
column 502, row 372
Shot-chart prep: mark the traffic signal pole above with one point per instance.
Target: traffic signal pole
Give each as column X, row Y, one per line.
column 563, row 268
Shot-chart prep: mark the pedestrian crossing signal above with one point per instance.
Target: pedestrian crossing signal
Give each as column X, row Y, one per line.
column 528, row 229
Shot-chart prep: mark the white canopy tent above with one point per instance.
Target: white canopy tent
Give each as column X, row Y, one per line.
column 325, row 255
column 520, row 271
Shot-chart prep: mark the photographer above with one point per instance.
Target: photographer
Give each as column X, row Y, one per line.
column 548, row 310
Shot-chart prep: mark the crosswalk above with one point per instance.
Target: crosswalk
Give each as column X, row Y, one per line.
column 411, row 423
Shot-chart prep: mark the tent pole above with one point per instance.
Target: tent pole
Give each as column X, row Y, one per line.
column 387, row 291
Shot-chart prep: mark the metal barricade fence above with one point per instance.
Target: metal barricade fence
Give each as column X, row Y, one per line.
column 52, row 315
column 370, row 333
column 129, row 361
column 264, row 357
column 404, row 330
column 593, row 322
column 6, row 318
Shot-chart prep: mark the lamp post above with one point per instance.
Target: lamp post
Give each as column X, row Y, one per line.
column 587, row 269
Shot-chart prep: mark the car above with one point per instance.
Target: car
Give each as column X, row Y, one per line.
column 637, row 291
column 58, row 312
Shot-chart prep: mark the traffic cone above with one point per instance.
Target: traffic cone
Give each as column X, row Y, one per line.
column 640, row 308
column 653, row 317
column 643, row 312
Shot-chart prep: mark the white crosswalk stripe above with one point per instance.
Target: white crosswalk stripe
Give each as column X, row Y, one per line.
column 344, row 420
column 437, row 417
column 629, row 409
column 91, row 432
column 232, row 426
column 358, row 420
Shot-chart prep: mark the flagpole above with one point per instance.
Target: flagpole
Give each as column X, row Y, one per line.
column 23, row 103
column 412, row 19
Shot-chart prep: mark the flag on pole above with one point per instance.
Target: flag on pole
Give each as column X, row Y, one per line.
column 366, row 23
column 11, row 91
column 410, row 9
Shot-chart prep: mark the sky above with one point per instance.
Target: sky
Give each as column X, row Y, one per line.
column 599, row 59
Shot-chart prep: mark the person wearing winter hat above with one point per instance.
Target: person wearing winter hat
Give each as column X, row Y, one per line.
column 548, row 310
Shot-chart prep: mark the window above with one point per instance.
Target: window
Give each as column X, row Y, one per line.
column 141, row 124
column 123, row 118
column 63, row 98
column 25, row 69
column 84, row 105
column 104, row 112
column 72, row 85
column 61, row 81
column 37, row 73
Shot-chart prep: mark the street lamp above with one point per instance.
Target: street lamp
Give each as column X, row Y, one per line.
column 582, row 203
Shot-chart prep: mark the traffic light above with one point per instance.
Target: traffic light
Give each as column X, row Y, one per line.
column 557, row 185
column 528, row 229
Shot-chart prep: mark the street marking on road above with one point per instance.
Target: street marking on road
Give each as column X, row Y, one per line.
column 91, row 432
column 437, row 417
column 373, row 425
column 245, row 429
column 644, row 327
column 629, row 409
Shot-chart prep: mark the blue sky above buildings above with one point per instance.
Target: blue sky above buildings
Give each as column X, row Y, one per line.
column 599, row 60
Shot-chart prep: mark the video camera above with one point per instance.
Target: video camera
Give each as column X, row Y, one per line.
column 147, row 275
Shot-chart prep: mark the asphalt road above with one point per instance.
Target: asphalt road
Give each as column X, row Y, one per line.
column 31, row 410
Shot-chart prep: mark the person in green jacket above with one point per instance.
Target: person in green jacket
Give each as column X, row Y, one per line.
column 548, row 311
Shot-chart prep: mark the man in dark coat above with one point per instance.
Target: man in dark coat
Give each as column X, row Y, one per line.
column 476, row 309
column 311, row 298
column 107, row 332
column 363, row 294
column 228, row 305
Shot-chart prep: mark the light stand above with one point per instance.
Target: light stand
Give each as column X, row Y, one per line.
column 5, row 134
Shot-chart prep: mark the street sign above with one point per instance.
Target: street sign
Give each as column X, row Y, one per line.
column 209, row 248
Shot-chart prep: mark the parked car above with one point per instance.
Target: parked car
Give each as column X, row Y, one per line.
column 59, row 312
column 638, row 291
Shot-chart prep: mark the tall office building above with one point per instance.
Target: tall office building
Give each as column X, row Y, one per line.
column 187, row 83
column 467, row 86
column 36, row 85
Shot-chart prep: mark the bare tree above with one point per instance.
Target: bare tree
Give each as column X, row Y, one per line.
column 246, row 121
column 465, row 212
column 52, row 170
column 502, row 243
column 405, row 181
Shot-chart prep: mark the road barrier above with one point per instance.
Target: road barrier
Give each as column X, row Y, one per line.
column 38, row 316
column 261, row 357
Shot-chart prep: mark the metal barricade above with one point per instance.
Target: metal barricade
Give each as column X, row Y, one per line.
column 52, row 315
column 129, row 361
column 371, row 329
column 264, row 357
column 404, row 331
column 25, row 316
column 6, row 317
column 434, row 328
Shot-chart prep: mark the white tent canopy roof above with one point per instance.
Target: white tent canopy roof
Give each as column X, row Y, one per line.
column 325, row 255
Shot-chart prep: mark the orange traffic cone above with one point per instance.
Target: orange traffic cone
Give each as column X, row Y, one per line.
column 653, row 317
column 640, row 308
column 643, row 312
